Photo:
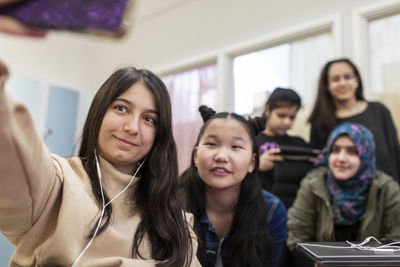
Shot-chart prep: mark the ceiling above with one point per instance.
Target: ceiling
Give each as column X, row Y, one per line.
column 146, row 9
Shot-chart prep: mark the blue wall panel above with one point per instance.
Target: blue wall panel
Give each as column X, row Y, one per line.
column 62, row 109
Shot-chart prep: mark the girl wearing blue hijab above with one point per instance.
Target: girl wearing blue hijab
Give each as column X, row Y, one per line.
column 349, row 193
column 345, row 197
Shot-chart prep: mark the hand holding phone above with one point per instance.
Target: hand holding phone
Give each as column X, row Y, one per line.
column 286, row 152
column 269, row 157
column 106, row 17
column 12, row 26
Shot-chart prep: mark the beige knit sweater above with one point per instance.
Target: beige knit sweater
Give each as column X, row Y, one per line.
column 47, row 208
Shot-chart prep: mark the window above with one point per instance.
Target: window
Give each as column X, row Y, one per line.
column 257, row 73
column 296, row 64
column 384, row 63
column 384, row 57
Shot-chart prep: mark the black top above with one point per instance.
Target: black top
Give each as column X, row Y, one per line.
column 347, row 232
column 378, row 120
column 284, row 180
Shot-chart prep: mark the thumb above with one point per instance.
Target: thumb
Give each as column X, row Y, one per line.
column 3, row 75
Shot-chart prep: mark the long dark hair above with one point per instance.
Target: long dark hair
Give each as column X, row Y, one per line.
column 155, row 195
column 323, row 114
column 250, row 243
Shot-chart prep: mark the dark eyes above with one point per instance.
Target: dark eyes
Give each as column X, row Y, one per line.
column 121, row 108
column 213, row 144
column 150, row 119
column 347, row 77
column 282, row 116
column 353, row 151
column 124, row 109
column 210, row 144
column 349, row 150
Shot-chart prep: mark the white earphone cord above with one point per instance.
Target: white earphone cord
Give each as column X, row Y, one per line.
column 104, row 205
column 391, row 247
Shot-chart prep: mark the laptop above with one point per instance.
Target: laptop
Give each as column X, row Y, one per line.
column 341, row 254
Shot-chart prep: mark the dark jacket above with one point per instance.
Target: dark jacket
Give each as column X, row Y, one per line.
column 311, row 219
column 276, row 225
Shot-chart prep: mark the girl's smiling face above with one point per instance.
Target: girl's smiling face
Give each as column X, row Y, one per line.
column 224, row 154
column 342, row 82
column 344, row 160
column 128, row 129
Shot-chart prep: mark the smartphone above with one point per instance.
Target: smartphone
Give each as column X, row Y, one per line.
column 105, row 17
column 297, row 150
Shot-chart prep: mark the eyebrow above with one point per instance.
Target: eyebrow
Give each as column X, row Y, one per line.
column 131, row 104
column 285, row 114
column 343, row 146
column 346, row 73
column 235, row 137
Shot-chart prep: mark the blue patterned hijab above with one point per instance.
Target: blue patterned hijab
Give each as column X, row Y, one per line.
column 349, row 197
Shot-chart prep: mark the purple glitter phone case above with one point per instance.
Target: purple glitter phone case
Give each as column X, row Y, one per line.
column 76, row 15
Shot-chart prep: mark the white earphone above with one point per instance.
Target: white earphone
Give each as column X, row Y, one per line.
column 104, row 205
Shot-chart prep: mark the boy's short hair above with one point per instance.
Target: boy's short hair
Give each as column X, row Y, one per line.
column 283, row 97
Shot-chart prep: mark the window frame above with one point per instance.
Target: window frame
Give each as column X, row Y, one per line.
column 224, row 57
column 361, row 18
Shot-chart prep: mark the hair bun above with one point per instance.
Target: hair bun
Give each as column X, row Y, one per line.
column 206, row 112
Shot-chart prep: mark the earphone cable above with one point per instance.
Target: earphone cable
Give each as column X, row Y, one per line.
column 104, row 205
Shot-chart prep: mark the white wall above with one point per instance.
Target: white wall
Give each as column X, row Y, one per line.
column 165, row 35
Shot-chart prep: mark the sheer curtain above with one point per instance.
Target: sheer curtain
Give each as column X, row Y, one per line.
column 307, row 56
column 189, row 90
